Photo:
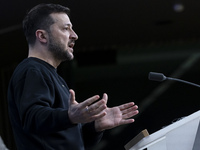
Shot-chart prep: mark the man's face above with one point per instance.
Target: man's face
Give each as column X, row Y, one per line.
column 61, row 37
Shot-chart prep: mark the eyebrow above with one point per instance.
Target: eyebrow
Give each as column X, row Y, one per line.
column 68, row 24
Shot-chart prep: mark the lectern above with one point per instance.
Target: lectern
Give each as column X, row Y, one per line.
column 180, row 135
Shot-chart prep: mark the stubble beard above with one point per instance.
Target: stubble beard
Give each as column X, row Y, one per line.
column 58, row 50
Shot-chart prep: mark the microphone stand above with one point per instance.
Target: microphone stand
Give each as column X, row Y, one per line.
column 161, row 77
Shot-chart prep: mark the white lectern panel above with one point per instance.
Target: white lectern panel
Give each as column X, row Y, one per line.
column 181, row 135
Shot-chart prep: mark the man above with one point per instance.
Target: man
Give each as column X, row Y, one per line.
column 43, row 111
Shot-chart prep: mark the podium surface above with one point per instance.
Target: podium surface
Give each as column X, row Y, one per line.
column 180, row 135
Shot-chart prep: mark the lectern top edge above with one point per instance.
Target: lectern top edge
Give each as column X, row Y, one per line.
column 136, row 139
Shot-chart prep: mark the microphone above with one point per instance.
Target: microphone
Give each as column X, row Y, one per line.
column 161, row 77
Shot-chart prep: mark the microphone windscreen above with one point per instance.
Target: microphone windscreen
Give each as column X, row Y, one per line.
column 156, row 76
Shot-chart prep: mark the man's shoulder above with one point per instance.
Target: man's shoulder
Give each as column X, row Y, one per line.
column 33, row 63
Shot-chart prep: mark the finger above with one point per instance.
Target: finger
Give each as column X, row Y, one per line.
column 130, row 114
column 125, row 106
column 123, row 122
column 72, row 97
column 98, row 116
column 130, row 109
column 89, row 101
column 97, row 111
column 98, row 106
column 105, row 97
column 91, row 116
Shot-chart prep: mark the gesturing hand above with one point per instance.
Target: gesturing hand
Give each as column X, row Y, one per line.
column 87, row 111
column 117, row 116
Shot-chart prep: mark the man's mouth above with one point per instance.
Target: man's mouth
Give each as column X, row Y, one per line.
column 71, row 44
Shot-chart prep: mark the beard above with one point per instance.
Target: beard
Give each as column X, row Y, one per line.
column 58, row 50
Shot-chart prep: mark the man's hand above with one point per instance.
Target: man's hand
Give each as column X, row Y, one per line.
column 117, row 116
column 87, row 111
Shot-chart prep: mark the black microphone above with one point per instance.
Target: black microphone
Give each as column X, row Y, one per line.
column 161, row 77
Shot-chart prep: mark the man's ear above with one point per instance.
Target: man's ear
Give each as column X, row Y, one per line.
column 41, row 35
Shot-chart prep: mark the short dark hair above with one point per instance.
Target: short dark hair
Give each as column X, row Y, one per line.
column 39, row 18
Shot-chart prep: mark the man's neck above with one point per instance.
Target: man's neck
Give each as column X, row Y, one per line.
column 44, row 55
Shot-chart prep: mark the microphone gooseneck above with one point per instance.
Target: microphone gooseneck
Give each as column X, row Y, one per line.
column 161, row 77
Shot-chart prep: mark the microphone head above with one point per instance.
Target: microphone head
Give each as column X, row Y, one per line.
column 156, row 76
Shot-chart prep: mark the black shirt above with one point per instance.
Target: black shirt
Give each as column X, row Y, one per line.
column 38, row 108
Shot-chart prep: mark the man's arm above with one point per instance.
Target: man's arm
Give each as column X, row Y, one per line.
column 90, row 136
column 34, row 99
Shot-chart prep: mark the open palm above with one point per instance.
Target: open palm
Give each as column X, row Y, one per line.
column 116, row 116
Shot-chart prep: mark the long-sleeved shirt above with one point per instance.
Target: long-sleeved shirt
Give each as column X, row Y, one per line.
column 38, row 101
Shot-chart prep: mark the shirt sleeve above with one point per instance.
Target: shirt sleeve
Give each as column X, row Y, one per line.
column 35, row 95
column 90, row 136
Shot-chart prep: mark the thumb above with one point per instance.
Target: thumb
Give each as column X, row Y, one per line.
column 72, row 97
column 105, row 97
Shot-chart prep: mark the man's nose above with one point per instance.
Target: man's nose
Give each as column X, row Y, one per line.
column 74, row 36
